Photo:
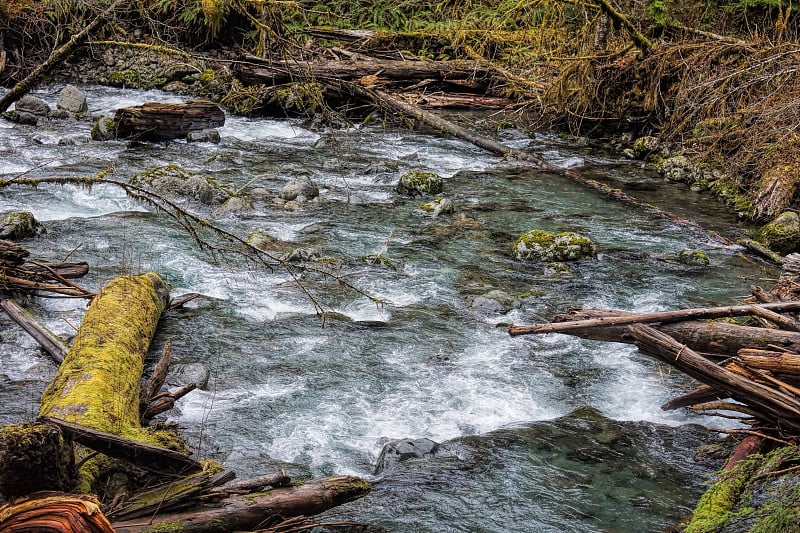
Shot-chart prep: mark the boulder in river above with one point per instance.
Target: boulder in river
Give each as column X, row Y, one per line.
column 33, row 105
column 782, row 233
column 419, row 183
column 300, row 189
column 397, row 451
column 103, row 129
column 19, row 225
column 72, row 99
column 540, row 245
column 177, row 181
column 434, row 208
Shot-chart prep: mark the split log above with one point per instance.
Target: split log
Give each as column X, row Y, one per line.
column 253, row 70
column 775, row 407
column 658, row 317
column 771, row 360
column 249, row 512
column 154, row 121
column 54, row 512
column 717, row 338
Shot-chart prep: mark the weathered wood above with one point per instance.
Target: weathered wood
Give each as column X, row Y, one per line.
column 246, row 512
column 54, row 512
column 774, row 406
column 146, row 456
column 644, row 318
column 153, row 384
column 279, row 479
column 155, row 121
column 12, row 254
column 783, row 322
column 253, row 70
column 702, row 394
column 771, row 360
column 749, row 445
column 46, row 339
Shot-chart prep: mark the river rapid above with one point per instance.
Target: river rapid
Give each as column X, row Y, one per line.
column 527, row 434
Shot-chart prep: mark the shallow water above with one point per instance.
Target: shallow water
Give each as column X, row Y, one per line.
column 544, row 433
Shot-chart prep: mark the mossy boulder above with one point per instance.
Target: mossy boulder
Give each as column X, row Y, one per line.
column 435, row 208
column 267, row 243
column 128, row 78
column 540, row 245
column 103, row 129
column 694, row 258
column 176, row 181
column 419, row 183
column 19, row 225
column 781, row 234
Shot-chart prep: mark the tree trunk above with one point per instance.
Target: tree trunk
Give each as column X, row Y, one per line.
column 253, row 511
column 155, row 121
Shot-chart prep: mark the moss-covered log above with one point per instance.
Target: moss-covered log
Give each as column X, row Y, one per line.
column 97, row 385
column 245, row 513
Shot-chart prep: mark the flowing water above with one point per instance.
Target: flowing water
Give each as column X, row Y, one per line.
column 537, row 433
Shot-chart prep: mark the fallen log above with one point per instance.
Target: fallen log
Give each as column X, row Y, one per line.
column 155, row 121
column 774, row 407
column 658, row 317
column 46, row 339
column 249, row 512
column 718, row 338
column 54, row 512
column 253, row 70
column 771, row 360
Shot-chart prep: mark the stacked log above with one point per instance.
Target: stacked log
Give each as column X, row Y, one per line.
column 751, row 371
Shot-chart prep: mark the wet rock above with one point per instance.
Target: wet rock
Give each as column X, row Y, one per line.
column 292, row 205
column 301, row 255
column 33, row 105
column 19, row 225
column 398, row 451
column 72, row 99
column 781, row 234
column 557, row 269
column 177, row 181
column 266, row 242
column 103, row 129
column 21, row 117
column 235, row 205
column 418, row 183
column 300, row 189
column 540, row 245
column 495, row 301
column 208, row 136
column 694, row 258
column 644, row 146
column 440, row 206
column 183, row 374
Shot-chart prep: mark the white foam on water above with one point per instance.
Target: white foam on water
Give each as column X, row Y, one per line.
column 246, row 129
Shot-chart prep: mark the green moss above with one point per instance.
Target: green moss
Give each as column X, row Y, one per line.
column 714, row 126
column 781, row 234
column 717, row 505
column 125, row 78
column 417, row 182
column 207, row 76
column 166, row 527
column 540, row 245
column 693, row 257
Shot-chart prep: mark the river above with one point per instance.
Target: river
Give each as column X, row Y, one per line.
column 537, row 433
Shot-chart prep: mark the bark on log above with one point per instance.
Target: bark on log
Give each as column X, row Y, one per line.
column 771, row 360
column 55, row 59
column 775, row 407
column 34, row 457
column 54, row 512
column 154, row 121
column 248, row 512
column 256, row 71
column 659, row 317
column 710, row 337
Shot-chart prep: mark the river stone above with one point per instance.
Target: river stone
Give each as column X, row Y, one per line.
column 694, row 258
column 72, row 99
column 440, row 206
column 23, row 117
column 177, row 181
column 103, row 129
column 540, row 245
column 208, row 135
column 495, row 301
column 181, row 375
column 33, row 105
column 19, row 225
column 235, row 205
column 299, row 189
column 781, row 234
column 266, row 242
column 556, row 269
column 418, row 183
column 397, row 451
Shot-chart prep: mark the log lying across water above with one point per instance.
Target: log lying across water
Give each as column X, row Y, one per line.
column 155, row 121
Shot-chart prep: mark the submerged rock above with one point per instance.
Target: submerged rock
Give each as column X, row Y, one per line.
column 434, row 208
column 782, row 234
column 418, row 183
column 696, row 258
column 19, row 225
column 300, row 189
column 72, row 99
column 397, row 451
column 540, row 245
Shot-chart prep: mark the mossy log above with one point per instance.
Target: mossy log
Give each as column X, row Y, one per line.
column 249, row 512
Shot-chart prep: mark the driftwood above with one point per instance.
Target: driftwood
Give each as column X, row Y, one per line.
column 771, row 360
column 253, row 511
column 154, row 121
column 775, row 407
column 658, row 317
column 46, row 339
column 54, row 512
